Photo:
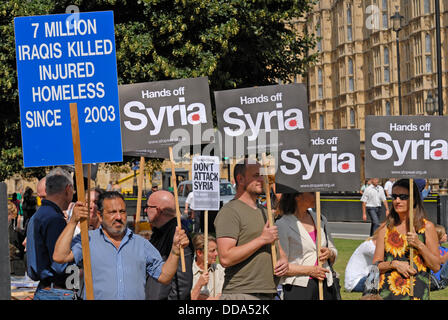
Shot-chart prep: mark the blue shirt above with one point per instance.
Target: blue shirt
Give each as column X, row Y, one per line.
column 442, row 251
column 43, row 231
column 119, row 274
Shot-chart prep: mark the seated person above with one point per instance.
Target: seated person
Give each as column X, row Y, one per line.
column 358, row 266
column 439, row 280
column 206, row 285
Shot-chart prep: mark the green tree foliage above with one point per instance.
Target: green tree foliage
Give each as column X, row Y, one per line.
column 236, row 43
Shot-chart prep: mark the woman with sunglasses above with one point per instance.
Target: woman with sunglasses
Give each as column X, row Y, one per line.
column 392, row 255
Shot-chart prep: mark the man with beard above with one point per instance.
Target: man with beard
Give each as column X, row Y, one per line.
column 120, row 259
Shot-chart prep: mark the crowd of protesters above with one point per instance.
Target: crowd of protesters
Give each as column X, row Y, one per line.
column 239, row 261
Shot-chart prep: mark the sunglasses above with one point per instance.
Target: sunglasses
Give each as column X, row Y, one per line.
column 401, row 196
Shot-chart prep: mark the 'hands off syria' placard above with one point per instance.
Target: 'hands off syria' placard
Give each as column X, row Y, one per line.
column 330, row 162
column 406, row 147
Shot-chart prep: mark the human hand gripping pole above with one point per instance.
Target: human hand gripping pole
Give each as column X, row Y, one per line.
column 81, row 195
column 176, row 200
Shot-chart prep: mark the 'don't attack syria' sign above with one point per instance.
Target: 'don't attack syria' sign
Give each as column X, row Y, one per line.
column 206, row 184
column 406, row 147
column 63, row 60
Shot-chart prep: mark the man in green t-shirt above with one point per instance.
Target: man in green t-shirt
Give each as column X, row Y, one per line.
column 244, row 240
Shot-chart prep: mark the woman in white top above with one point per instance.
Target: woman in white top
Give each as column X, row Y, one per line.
column 206, row 285
column 357, row 267
column 297, row 234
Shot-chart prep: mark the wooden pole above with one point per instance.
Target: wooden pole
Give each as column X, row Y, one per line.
column 81, row 196
column 139, row 194
column 411, row 229
column 205, row 240
column 269, row 209
column 89, row 174
column 319, row 242
column 176, row 200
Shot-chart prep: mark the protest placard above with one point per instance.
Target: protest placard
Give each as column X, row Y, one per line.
column 161, row 114
column 329, row 162
column 406, row 147
column 261, row 119
column 206, row 186
column 206, row 191
column 61, row 60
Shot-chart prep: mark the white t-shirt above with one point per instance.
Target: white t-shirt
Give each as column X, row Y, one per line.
column 388, row 187
column 373, row 196
column 216, row 278
column 358, row 265
column 190, row 200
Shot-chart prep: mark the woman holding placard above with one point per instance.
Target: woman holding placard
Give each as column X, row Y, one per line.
column 392, row 255
column 298, row 235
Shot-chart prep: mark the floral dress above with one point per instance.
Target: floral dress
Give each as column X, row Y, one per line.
column 393, row 286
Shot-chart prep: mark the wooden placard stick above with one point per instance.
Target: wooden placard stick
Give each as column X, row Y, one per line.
column 139, row 194
column 205, row 240
column 176, row 200
column 411, row 229
column 81, row 197
column 319, row 242
column 269, row 209
column 89, row 174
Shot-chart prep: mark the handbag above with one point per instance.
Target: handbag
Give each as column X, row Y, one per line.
column 335, row 289
column 371, row 284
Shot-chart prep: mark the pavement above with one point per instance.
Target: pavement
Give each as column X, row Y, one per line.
column 349, row 230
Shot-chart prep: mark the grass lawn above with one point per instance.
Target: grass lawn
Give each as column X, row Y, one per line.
column 345, row 249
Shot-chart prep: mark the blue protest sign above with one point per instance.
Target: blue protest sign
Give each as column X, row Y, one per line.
column 63, row 59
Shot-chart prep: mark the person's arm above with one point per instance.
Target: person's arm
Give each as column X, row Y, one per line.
column 402, row 267
column 386, row 206
column 196, row 291
column 384, row 200
column 364, row 215
column 62, row 250
column 327, row 254
column 429, row 250
column 169, row 268
column 282, row 265
column 230, row 254
column 378, row 256
column 19, row 222
column 301, row 270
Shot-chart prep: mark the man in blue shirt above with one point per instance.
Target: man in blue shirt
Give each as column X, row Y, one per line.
column 43, row 230
column 120, row 259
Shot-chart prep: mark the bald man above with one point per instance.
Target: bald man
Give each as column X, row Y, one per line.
column 40, row 189
column 161, row 211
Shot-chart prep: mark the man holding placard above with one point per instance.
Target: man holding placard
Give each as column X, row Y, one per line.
column 121, row 260
column 244, row 240
column 161, row 211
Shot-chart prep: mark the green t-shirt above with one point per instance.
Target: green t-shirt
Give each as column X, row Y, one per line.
column 239, row 221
